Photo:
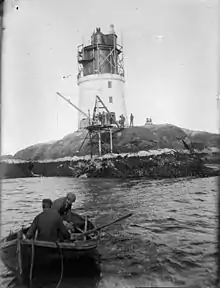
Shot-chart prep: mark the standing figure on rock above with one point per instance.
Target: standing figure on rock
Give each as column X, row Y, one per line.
column 103, row 118
column 63, row 205
column 122, row 121
column 131, row 120
column 108, row 118
column 111, row 119
column 100, row 118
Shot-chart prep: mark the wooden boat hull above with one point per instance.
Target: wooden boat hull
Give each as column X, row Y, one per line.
column 8, row 254
column 49, row 258
column 16, row 253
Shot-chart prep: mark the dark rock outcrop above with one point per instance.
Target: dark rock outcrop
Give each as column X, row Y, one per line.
column 155, row 164
column 14, row 169
column 65, row 157
column 127, row 140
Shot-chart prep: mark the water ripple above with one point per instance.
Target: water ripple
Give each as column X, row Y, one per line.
column 169, row 240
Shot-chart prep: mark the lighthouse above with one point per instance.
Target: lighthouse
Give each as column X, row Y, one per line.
column 101, row 73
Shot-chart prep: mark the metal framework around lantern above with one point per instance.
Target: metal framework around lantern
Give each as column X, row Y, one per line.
column 115, row 53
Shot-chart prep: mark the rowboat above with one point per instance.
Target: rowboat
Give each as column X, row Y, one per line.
column 22, row 256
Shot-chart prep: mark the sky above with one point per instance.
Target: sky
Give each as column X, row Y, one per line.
column 170, row 53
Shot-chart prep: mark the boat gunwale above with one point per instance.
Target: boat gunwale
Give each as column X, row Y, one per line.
column 47, row 244
column 6, row 244
column 62, row 245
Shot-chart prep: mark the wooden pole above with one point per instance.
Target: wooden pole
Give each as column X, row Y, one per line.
column 86, row 222
column 110, row 133
column 100, row 147
column 19, row 255
column 85, row 227
column 89, row 117
column 105, row 225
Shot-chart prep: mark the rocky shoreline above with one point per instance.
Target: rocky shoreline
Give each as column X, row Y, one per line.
column 153, row 164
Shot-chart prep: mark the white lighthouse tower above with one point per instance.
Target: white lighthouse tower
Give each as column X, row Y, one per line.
column 101, row 73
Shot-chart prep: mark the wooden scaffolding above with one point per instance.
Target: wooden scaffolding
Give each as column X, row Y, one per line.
column 102, row 121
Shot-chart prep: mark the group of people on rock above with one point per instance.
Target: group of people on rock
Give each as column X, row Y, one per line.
column 105, row 118
column 122, row 121
column 109, row 119
column 148, row 121
column 53, row 224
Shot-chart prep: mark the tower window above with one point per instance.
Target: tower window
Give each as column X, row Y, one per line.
column 110, row 99
column 109, row 84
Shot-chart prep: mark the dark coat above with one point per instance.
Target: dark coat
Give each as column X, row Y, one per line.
column 60, row 206
column 49, row 227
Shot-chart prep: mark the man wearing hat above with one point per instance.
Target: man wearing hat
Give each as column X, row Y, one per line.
column 48, row 225
column 63, row 206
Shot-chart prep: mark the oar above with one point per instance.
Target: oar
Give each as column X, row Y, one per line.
column 136, row 225
column 105, row 225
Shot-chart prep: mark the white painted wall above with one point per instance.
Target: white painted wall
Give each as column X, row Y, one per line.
column 92, row 85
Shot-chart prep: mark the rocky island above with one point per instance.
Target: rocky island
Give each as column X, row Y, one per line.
column 154, row 152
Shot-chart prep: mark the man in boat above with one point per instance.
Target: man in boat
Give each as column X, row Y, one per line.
column 48, row 225
column 63, row 206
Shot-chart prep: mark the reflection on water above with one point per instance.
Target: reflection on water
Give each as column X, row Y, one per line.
column 169, row 240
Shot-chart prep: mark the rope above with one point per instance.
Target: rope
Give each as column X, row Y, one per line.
column 32, row 258
column 32, row 263
column 61, row 274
